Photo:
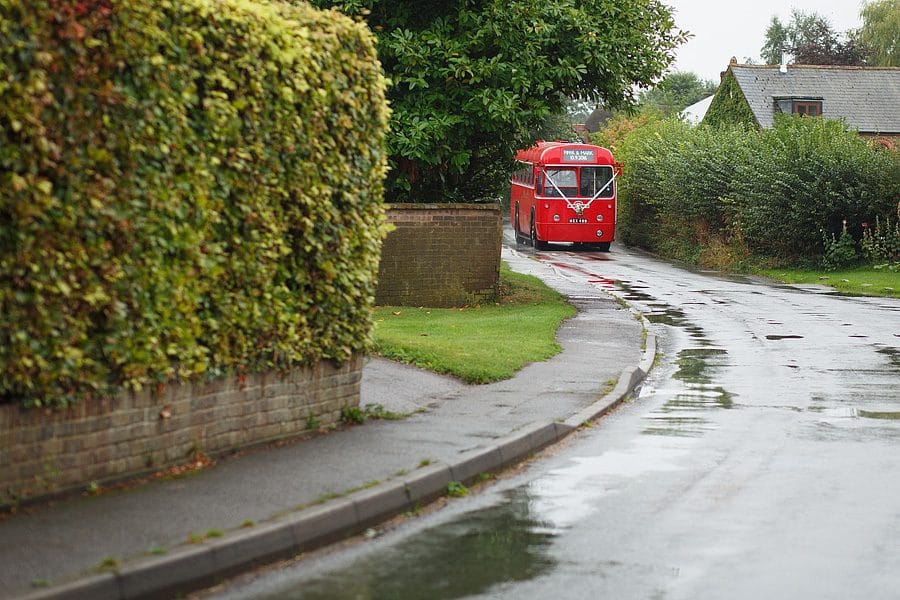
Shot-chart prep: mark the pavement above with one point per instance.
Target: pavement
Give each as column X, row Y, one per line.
column 167, row 537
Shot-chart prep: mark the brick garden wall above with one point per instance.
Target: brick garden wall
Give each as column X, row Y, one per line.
column 48, row 451
column 440, row 255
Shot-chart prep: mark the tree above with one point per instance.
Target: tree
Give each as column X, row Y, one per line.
column 776, row 41
column 676, row 92
column 471, row 78
column 811, row 40
column 881, row 32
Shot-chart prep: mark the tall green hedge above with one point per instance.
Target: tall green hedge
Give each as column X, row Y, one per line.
column 189, row 188
column 777, row 189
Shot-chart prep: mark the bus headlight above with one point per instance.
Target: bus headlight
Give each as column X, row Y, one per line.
column 599, row 218
column 556, row 218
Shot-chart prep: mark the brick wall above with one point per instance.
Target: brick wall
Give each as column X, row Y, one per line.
column 440, row 255
column 49, row 451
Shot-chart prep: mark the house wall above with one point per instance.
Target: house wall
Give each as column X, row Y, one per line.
column 440, row 255
column 47, row 451
column 888, row 140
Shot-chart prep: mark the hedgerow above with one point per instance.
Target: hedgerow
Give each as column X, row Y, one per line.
column 776, row 191
column 189, row 188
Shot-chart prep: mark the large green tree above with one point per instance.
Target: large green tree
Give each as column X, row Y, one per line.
column 677, row 91
column 881, row 32
column 811, row 40
column 471, row 78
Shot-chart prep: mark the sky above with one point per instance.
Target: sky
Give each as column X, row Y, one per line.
column 727, row 28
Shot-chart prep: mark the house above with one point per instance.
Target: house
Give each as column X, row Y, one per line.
column 866, row 98
column 694, row 113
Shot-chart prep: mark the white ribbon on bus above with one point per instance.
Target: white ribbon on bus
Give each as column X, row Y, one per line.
column 578, row 206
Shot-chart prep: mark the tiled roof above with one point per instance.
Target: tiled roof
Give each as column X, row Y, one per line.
column 867, row 98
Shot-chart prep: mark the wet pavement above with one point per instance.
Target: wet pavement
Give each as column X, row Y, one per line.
column 759, row 460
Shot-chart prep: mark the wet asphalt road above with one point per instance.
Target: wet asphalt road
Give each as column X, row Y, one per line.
column 761, row 459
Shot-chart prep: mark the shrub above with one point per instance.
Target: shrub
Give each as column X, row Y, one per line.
column 881, row 243
column 189, row 188
column 770, row 192
column 806, row 174
column 839, row 252
column 675, row 174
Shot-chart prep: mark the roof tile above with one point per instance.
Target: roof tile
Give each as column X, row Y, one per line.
column 866, row 98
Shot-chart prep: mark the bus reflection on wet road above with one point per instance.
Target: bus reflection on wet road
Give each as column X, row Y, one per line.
column 759, row 459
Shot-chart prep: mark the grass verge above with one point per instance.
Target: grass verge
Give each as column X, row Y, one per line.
column 862, row 281
column 477, row 344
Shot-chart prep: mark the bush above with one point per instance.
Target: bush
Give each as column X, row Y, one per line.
column 806, row 174
column 676, row 175
column 189, row 188
column 770, row 191
column 840, row 253
column 881, row 243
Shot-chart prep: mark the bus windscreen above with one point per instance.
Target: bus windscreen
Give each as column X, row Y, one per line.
column 595, row 179
column 561, row 182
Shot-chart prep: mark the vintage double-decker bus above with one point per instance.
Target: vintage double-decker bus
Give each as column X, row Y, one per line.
column 564, row 192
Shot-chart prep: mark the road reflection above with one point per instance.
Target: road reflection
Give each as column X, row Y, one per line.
column 500, row 544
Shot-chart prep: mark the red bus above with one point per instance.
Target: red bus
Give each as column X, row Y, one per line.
column 564, row 192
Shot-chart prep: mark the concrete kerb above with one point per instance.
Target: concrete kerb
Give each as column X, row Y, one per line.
column 104, row 586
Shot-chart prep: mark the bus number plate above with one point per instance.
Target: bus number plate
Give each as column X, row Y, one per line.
column 578, row 220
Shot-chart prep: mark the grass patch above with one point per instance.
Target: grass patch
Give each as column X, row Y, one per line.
column 477, row 344
column 862, row 281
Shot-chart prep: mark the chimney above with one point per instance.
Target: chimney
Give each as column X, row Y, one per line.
column 783, row 67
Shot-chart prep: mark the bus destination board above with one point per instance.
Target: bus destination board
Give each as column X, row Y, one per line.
column 578, row 155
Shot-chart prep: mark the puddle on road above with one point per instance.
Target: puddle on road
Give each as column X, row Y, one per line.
column 850, row 412
column 568, row 495
column 674, row 426
column 893, row 355
column 697, row 368
column 461, row 558
column 694, row 387
column 872, row 414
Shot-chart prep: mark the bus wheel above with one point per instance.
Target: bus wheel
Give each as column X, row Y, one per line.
column 520, row 239
column 535, row 242
column 602, row 246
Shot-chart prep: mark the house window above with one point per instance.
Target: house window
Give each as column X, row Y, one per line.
column 807, row 108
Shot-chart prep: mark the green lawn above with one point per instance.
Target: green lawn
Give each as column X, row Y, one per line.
column 477, row 344
column 863, row 281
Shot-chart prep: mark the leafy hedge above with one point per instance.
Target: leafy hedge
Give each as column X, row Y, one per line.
column 775, row 190
column 189, row 188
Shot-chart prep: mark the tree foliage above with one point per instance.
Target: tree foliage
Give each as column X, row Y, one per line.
column 676, row 92
column 811, row 40
column 777, row 41
column 881, row 32
column 471, row 78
